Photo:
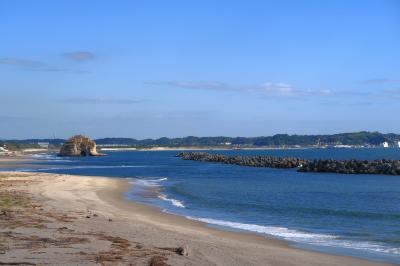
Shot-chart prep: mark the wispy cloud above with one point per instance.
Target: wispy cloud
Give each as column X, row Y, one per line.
column 392, row 93
column 83, row 100
column 49, row 69
column 283, row 89
column 352, row 93
column 218, row 86
column 381, row 81
column 79, row 56
column 268, row 88
column 22, row 63
column 33, row 65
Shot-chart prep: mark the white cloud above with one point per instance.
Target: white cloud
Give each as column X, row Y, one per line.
column 80, row 56
column 267, row 88
column 100, row 101
column 380, row 81
column 39, row 66
column 22, row 63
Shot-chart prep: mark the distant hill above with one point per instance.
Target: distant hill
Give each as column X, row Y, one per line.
column 356, row 138
column 35, row 141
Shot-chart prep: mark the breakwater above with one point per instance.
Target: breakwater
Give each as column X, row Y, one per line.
column 254, row 161
column 381, row 167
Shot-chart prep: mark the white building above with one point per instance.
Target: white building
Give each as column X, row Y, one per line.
column 43, row 144
column 398, row 144
column 385, row 144
column 4, row 151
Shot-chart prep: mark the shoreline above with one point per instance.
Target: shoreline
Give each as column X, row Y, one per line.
column 116, row 197
column 152, row 228
column 239, row 235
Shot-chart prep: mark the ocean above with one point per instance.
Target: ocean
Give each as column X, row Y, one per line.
column 355, row 215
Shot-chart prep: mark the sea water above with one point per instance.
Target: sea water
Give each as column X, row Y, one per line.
column 356, row 215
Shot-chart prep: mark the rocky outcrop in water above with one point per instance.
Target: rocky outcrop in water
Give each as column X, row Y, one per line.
column 254, row 161
column 382, row 167
column 79, row 146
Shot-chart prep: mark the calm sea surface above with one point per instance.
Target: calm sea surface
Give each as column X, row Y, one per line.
column 357, row 215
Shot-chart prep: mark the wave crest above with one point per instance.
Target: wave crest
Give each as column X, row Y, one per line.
column 147, row 182
column 79, row 167
column 303, row 237
column 175, row 202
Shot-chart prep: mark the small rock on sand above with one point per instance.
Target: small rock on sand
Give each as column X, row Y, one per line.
column 183, row 251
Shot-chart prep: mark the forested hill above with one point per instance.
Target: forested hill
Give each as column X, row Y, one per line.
column 357, row 138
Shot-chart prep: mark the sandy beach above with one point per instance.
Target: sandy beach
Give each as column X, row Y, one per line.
column 65, row 219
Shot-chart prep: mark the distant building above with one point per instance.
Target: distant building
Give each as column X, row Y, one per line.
column 43, row 144
column 342, row 146
column 2, row 149
column 228, row 143
column 385, row 144
column 112, row 145
column 398, row 144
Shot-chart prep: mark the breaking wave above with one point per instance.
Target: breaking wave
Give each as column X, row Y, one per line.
column 175, row 202
column 303, row 237
column 78, row 167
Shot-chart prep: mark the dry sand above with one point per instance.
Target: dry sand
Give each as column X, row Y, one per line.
column 79, row 220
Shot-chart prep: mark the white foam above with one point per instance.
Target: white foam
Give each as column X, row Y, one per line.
column 81, row 167
column 148, row 182
column 270, row 230
column 155, row 182
column 303, row 237
column 43, row 156
column 49, row 157
column 175, row 202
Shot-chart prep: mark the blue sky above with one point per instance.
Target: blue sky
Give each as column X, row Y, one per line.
column 206, row 68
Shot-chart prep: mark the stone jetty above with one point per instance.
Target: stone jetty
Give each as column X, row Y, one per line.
column 254, row 161
column 380, row 167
